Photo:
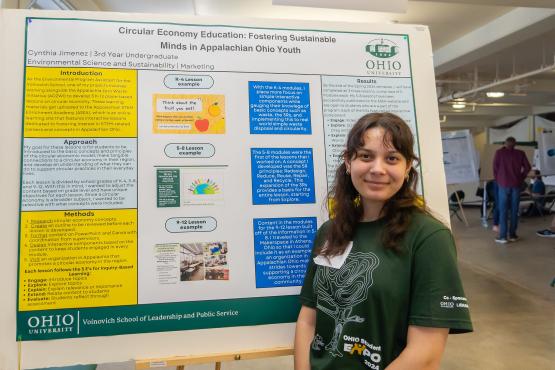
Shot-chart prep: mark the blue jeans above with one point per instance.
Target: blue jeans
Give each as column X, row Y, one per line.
column 508, row 199
column 495, row 204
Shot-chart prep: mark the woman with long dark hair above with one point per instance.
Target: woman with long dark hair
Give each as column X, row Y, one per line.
column 382, row 290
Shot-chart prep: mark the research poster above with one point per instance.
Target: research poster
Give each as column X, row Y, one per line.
column 173, row 176
column 459, row 157
column 546, row 146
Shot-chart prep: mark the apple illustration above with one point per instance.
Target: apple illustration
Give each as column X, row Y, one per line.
column 201, row 124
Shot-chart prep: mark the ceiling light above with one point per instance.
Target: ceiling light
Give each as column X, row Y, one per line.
column 459, row 105
column 495, row 94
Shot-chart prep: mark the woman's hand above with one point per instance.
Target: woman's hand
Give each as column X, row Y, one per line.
column 304, row 333
column 423, row 351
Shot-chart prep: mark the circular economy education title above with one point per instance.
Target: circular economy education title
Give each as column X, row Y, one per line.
column 203, row 34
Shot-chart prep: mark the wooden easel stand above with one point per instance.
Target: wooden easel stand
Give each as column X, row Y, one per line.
column 217, row 358
column 461, row 208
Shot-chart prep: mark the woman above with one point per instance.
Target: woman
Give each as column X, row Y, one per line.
column 383, row 290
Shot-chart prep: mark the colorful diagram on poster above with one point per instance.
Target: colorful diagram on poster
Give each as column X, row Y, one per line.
column 202, row 188
column 188, row 114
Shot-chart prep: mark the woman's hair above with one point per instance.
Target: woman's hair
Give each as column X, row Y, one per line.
column 347, row 206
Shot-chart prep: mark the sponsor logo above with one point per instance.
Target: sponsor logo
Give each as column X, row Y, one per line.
column 447, row 304
column 453, row 301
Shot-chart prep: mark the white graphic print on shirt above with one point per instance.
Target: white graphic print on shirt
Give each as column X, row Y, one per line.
column 339, row 290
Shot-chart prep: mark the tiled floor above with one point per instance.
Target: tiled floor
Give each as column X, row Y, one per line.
column 513, row 302
column 514, row 328
column 529, row 262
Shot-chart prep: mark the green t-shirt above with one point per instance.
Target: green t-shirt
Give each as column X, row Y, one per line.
column 364, row 308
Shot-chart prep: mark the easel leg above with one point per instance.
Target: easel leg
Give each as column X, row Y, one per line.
column 485, row 207
column 461, row 208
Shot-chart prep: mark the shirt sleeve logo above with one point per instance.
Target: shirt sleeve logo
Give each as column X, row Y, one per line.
column 453, row 301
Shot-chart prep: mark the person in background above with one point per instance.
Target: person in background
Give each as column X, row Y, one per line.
column 492, row 189
column 382, row 290
column 548, row 233
column 538, row 190
column 510, row 168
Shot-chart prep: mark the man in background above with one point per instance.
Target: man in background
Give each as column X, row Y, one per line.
column 510, row 168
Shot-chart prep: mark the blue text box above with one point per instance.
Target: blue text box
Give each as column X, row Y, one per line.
column 279, row 108
column 282, row 248
column 282, row 176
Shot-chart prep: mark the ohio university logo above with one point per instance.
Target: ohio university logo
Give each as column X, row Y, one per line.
column 51, row 324
column 382, row 62
column 382, row 48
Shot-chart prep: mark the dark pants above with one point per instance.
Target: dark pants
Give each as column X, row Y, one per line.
column 508, row 200
column 495, row 203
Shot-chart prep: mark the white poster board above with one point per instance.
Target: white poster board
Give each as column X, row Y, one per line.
column 546, row 148
column 169, row 191
column 459, row 157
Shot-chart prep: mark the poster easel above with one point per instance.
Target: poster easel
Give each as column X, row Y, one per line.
column 181, row 362
column 461, row 208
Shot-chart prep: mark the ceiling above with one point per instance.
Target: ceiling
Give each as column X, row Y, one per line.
column 479, row 46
